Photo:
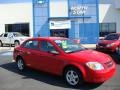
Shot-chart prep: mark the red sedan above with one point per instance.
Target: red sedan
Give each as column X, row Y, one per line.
column 63, row 57
column 110, row 43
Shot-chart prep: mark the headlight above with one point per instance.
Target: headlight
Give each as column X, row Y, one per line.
column 97, row 44
column 110, row 45
column 95, row 65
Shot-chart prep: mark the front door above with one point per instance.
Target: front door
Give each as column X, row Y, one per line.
column 5, row 39
column 47, row 61
column 59, row 32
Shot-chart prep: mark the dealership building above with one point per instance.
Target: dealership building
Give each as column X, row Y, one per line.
column 78, row 19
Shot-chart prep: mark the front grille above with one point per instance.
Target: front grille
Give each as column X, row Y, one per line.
column 101, row 44
column 109, row 63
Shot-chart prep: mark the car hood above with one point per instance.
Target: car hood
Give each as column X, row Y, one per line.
column 107, row 41
column 23, row 37
column 91, row 55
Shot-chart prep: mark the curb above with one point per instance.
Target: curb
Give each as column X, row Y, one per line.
column 89, row 46
column 5, row 50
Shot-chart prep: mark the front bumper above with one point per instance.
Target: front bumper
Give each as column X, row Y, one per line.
column 100, row 76
column 105, row 48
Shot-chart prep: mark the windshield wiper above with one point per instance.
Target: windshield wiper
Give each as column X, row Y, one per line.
column 76, row 51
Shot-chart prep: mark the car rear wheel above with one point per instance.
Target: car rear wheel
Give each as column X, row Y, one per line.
column 17, row 43
column 73, row 76
column 118, row 50
column 20, row 64
column 1, row 44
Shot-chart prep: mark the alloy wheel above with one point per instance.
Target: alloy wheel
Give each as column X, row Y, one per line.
column 118, row 50
column 20, row 64
column 73, row 77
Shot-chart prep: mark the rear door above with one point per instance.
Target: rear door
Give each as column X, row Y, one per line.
column 30, row 53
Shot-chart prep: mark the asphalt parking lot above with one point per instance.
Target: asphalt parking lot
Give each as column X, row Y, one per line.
column 12, row 79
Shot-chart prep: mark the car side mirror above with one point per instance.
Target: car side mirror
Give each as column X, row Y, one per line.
column 101, row 38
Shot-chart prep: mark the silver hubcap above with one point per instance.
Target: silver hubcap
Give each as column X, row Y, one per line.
column 72, row 77
column 20, row 64
column 118, row 50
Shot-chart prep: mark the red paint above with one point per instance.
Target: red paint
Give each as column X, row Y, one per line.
column 109, row 44
column 55, row 63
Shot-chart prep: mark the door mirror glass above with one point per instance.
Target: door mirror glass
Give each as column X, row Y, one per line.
column 101, row 38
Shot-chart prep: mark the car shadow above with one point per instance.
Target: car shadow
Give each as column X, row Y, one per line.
column 114, row 56
column 45, row 77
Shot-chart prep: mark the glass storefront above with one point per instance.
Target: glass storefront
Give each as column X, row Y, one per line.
column 77, row 19
column 23, row 28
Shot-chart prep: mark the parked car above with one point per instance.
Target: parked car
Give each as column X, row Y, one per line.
column 63, row 57
column 110, row 43
column 12, row 38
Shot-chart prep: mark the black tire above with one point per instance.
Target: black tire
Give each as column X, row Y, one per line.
column 1, row 44
column 21, row 64
column 73, row 77
column 117, row 50
column 17, row 43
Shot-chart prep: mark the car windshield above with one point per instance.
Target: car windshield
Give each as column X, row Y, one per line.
column 112, row 37
column 69, row 45
column 1, row 35
column 18, row 34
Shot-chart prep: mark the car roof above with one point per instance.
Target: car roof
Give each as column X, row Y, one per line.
column 48, row 38
column 114, row 33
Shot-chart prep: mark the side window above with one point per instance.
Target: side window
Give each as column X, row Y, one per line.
column 33, row 44
column 5, row 35
column 116, row 37
column 10, row 35
column 46, row 46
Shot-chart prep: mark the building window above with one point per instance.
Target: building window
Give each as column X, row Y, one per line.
column 107, row 28
column 23, row 28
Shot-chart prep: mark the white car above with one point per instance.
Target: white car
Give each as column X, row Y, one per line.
column 12, row 38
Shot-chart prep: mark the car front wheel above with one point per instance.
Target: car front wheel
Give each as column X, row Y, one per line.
column 73, row 76
column 20, row 64
column 118, row 50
